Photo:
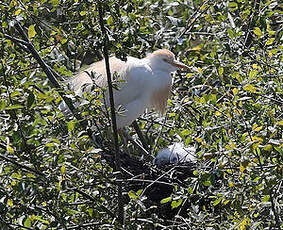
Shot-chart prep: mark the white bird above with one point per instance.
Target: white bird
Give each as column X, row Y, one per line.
column 146, row 83
column 174, row 154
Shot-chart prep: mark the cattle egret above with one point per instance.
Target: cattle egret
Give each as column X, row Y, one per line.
column 146, row 83
column 174, row 154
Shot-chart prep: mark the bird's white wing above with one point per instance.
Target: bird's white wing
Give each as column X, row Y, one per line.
column 83, row 80
column 136, row 76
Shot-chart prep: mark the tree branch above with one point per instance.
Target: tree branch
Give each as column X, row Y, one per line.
column 19, row 164
column 112, row 107
column 26, row 45
column 93, row 199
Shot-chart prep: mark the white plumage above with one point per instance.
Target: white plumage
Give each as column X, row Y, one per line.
column 146, row 83
column 174, row 154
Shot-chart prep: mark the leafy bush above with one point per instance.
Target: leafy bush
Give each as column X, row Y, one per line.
column 229, row 107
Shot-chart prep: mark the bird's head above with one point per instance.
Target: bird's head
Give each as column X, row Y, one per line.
column 164, row 59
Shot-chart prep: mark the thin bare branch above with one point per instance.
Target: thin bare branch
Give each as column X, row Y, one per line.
column 112, row 107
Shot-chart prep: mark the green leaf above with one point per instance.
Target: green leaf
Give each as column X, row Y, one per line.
column 176, row 203
column 2, row 105
column 16, row 176
column 17, row 12
column 235, row 91
column 207, row 183
column 10, row 203
column 213, row 98
column 250, row 88
column 242, row 168
column 253, row 74
column 165, row 200
column 268, row 147
column 63, row 169
column 231, row 33
column 133, row 195
column 237, row 76
column 31, row 31
column 185, row 132
column 221, row 70
column 71, row 126
column 139, row 192
column 9, row 149
column 257, row 32
column 233, row 5
column 14, row 107
column 266, row 198
column 244, row 224
column 54, row 2
column 83, row 13
column 39, row 218
column 90, row 212
column 269, row 41
column 27, row 222
column 196, row 172
column 217, row 201
column 203, row 7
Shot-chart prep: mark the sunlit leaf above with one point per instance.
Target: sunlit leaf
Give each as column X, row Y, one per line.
column 244, row 224
column 176, row 203
column 27, row 222
column 10, row 203
column 9, row 149
column 250, row 88
column 14, row 107
column 133, row 195
column 71, row 125
column 63, row 169
column 217, row 201
column 31, row 31
column 257, row 32
column 265, row 198
column 242, row 168
column 235, row 91
column 269, row 41
column 165, row 200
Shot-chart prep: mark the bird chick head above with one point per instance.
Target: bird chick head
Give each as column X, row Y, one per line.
column 175, row 154
column 164, row 59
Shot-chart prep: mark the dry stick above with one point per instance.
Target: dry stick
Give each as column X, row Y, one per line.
column 157, row 180
column 137, row 145
column 248, row 38
column 113, row 115
column 139, row 133
column 84, row 226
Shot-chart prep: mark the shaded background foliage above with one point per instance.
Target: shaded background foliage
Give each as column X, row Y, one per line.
column 229, row 107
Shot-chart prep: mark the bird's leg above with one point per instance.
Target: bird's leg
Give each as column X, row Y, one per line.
column 144, row 152
column 131, row 111
column 123, row 133
column 139, row 133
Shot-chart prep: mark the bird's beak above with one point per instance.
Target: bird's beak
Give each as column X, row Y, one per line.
column 180, row 65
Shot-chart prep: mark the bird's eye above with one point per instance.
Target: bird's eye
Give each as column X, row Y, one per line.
column 164, row 59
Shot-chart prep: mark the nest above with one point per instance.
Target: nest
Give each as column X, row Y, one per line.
column 156, row 183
